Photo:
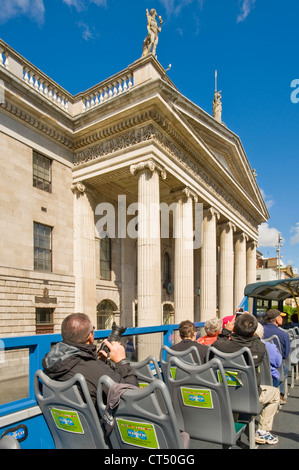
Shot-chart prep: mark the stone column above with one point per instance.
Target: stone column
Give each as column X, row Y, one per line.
column 149, row 254
column 251, row 262
column 208, row 268
column 226, row 270
column 84, row 252
column 239, row 268
column 184, row 255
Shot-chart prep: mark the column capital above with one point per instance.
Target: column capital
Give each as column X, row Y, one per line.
column 211, row 212
column 252, row 244
column 227, row 226
column 148, row 165
column 78, row 188
column 81, row 189
column 184, row 192
column 241, row 236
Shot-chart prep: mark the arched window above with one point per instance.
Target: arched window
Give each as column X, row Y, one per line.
column 105, row 315
column 168, row 314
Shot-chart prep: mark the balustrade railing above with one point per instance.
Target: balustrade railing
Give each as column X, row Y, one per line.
column 14, row 63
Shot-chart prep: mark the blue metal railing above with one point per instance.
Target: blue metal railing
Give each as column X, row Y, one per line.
column 40, row 345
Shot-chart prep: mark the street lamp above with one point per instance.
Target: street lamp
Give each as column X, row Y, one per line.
column 279, row 245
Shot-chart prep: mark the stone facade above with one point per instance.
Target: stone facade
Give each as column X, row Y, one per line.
column 133, row 138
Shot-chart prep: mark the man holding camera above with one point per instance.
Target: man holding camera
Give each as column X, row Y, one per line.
column 77, row 354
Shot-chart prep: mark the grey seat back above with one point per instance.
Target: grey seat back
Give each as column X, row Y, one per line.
column 275, row 340
column 202, row 403
column 190, row 356
column 69, row 412
column 265, row 370
column 146, row 371
column 144, row 418
column 241, row 379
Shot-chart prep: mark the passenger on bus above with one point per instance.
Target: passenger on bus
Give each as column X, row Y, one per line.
column 239, row 333
column 272, row 323
column 77, row 353
column 212, row 328
column 187, row 333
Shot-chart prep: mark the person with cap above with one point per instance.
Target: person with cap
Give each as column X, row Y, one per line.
column 272, row 326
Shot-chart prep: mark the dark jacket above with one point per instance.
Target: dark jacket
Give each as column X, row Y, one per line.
column 65, row 360
column 229, row 342
column 187, row 343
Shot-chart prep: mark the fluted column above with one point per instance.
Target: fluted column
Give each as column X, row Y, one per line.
column 239, row 268
column 226, row 270
column 208, row 268
column 251, row 262
column 184, row 255
column 84, row 252
column 149, row 254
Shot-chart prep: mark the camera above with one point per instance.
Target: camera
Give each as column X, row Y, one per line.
column 115, row 335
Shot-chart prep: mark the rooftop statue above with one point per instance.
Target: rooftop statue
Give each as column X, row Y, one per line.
column 151, row 40
column 217, row 105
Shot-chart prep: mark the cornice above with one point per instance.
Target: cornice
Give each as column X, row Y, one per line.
column 150, row 132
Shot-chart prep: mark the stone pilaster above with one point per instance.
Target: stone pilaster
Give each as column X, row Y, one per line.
column 84, row 252
column 208, row 269
column 226, row 270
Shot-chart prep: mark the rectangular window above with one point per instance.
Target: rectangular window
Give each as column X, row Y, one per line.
column 42, row 247
column 44, row 320
column 42, row 172
column 105, row 258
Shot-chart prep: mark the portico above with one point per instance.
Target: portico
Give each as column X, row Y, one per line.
column 185, row 201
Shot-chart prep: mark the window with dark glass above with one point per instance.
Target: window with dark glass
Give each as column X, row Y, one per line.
column 44, row 318
column 105, row 258
column 42, row 247
column 42, row 172
column 166, row 270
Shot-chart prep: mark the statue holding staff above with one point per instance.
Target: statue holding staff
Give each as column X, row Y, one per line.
column 151, row 40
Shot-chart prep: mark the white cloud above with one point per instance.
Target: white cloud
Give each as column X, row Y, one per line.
column 268, row 199
column 87, row 32
column 247, row 6
column 82, row 4
column 268, row 236
column 295, row 238
column 34, row 9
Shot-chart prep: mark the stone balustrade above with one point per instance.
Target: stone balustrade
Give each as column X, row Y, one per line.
column 107, row 90
column 17, row 65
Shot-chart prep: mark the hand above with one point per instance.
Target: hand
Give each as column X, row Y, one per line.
column 230, row 325
column 117, row 351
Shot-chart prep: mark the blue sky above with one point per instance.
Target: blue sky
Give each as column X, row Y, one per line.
column 253, row 44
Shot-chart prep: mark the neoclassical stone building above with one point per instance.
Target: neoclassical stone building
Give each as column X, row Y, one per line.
column 134, row 138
